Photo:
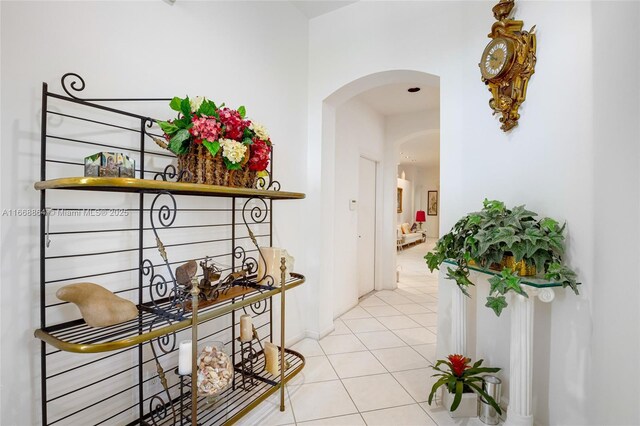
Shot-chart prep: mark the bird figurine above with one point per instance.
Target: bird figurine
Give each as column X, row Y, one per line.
column 98, row 306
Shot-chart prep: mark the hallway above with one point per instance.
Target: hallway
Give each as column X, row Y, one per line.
column 373, row 369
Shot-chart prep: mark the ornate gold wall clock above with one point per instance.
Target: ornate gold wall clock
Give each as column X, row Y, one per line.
column 507, row 63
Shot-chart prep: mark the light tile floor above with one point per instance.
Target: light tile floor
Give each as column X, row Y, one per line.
column 373, row 368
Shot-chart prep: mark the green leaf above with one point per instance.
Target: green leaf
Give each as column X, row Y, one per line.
column 177, row 145
column 549, row 224
column 563, row 274
column 540, row 258
column 207, row 108
column 175, row 104
column 183, row 123
column 486, row 397
column 496, row 303
column 512, row 282
column 242, row 111
column 168, row 128
column 212, row 147
column 518, row 215
column 247, row 141
column 505, row 235
column 494, row 206
column 435, row 387
column 532, row 235
column 230, row 165
column 458, row 398
column 519, row 250
column 185, row 107
column 497, row 285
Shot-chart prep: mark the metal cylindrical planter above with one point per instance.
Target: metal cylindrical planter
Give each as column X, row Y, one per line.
column 493, row 387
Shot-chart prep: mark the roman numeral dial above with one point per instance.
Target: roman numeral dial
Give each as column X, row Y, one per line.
column 496, row 58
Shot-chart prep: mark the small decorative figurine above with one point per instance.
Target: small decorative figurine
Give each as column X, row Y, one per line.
column 99, row 307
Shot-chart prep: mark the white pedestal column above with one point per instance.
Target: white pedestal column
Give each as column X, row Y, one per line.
column 520, row 411
column 459, row 323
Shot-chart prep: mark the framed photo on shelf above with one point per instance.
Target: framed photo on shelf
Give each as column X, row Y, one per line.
column 432, row 206
column 399, row 200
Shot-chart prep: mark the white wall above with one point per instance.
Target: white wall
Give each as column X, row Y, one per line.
column 574, row 128
column 236, row 52
column 359, row 133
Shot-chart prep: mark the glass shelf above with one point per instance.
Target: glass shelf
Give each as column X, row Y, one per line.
column 537, row 281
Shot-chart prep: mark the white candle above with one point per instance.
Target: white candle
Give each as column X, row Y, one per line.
column 184, row 357
column 246, row 328
column 271, row 364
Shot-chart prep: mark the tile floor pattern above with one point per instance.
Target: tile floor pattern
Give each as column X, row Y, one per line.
column 373, row 368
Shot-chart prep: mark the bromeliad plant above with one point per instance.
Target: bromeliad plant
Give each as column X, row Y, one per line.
column 487, row 236
column 460, row 377
column 221, row 130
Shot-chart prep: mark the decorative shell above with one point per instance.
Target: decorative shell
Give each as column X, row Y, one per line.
column 215, row 371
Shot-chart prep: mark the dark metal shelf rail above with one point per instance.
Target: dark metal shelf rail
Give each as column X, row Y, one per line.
column 73, row 127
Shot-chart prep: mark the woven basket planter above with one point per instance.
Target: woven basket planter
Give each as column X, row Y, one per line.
column 200, row 167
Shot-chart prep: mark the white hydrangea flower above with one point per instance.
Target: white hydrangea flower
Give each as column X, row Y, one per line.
column 233, row 151
column 260, row 130
column 196, row 102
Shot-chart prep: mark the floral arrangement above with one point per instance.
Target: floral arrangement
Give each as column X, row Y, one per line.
column 220, row 130
column 461, row 377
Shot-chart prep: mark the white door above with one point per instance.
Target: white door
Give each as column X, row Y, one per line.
column 366, row 226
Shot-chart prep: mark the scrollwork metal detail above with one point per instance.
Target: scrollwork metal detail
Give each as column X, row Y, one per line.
column 74, row 79
column 157, row 410
column 267, row 183
column 162, row 214
column 257, row 213
column 171, row 174
column 157, row 405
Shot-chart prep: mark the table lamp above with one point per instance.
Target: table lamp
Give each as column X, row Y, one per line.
column 420, row 217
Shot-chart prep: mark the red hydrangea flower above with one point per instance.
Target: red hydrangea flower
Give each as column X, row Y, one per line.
column 205, row 127
column 233, row 124
column 259, row 159
column 458, row 364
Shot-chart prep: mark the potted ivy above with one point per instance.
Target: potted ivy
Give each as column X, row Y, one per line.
column 461, row 383
column 512, row 241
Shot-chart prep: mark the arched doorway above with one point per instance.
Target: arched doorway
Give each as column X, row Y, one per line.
column 325, row 178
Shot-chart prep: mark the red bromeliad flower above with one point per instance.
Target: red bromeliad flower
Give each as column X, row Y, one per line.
column 458, row 364
column 233, row 123
column 259, row 159
column 205, row 128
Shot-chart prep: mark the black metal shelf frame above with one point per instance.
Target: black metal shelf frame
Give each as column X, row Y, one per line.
column 164, row 300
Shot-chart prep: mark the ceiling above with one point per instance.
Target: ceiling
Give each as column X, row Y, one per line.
column 314, row 8
column 423, row 151
column 393, row 99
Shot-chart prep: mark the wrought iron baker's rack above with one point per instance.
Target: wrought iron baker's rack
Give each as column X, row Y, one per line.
column 242, row 220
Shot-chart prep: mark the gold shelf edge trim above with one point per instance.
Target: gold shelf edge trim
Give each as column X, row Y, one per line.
column 240, row 414
column 133, row 185
column 145, row 337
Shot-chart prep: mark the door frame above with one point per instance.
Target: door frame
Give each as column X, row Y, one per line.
column 378, row 220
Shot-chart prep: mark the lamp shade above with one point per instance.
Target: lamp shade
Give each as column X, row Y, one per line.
column 420, row 216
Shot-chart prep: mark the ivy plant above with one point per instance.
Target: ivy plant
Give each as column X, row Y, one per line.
column 485, row 237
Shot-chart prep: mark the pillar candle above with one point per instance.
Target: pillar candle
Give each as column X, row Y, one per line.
column 246, row 328
column 184, row 357
column 271, row 364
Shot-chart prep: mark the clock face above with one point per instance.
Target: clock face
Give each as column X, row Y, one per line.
column 495, row 58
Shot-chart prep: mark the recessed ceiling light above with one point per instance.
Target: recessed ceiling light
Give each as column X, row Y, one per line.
column 413, row 89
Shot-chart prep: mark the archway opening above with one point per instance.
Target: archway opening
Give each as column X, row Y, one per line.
column 365, row 120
